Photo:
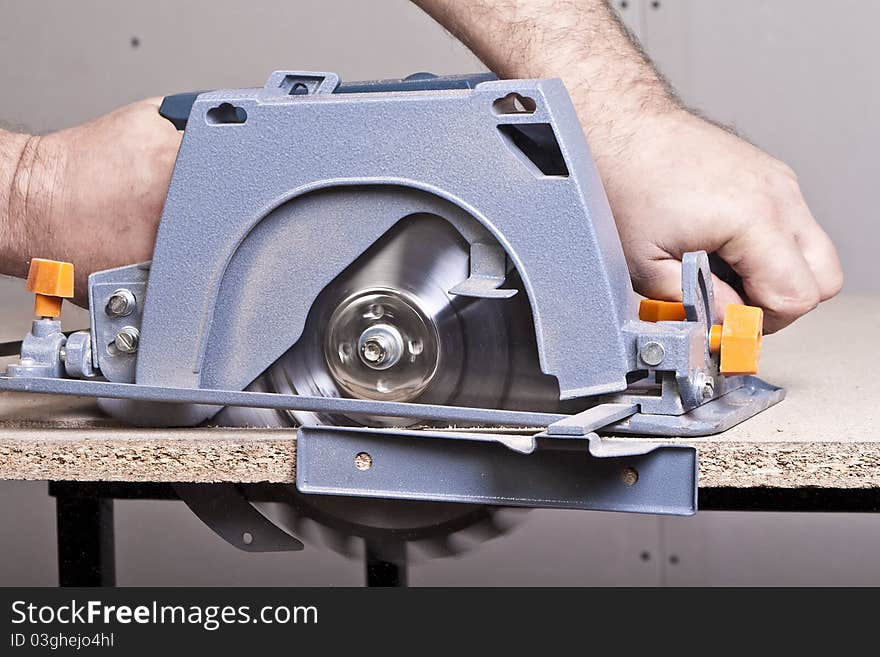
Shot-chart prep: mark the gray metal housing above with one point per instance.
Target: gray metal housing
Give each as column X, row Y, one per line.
column 262, row 214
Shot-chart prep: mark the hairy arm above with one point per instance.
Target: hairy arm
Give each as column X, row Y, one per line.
column 675, row 181
column 14, row 166
column 91, row 195
column 611, row 81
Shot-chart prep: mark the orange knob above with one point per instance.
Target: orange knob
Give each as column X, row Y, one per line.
column 51, row 282
column 738, row 339
column 653, row 310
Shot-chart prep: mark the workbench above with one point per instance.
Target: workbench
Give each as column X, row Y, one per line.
column 817, row 450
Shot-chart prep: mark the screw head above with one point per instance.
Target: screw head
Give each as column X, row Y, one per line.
column 127, row 339
column 706, row 384
column 373, row 351
column 120, row 304
column 708, row 390
column 629, row 476
column 381, row 346
column 652, row 353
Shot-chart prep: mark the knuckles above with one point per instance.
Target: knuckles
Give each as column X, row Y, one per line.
column 793, row 305
column 771, row 194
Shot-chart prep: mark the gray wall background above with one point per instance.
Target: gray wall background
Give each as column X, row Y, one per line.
column 797, row 78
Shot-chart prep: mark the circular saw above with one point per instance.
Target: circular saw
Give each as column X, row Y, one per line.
column 421, row 283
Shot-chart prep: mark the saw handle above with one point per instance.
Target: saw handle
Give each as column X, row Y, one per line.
column 176, row 108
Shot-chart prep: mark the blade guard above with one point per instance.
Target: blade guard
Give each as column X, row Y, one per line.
column 265, row 209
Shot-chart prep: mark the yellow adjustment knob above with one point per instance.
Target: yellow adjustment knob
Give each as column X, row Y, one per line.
column 51, row 282
column 738, row 339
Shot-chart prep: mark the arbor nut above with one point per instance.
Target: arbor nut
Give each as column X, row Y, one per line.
column 652, row 353
column 380, row 346
column 121, row 303
column 127, row 339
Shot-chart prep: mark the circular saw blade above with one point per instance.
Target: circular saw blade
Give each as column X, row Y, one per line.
column 486, row 357
column 487, row 347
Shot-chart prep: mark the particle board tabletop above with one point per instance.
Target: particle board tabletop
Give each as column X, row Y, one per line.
column 825, row 434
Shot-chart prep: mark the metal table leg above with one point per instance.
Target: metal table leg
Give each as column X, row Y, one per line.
column 85, row 535
column 386, row 564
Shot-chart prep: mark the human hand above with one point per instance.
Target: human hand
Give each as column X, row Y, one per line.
column 678, row 183
column 93, row 194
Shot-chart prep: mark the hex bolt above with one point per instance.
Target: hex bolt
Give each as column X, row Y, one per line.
column 127, row 339
column 77, row 356
column 121, row 303
column 652, row 353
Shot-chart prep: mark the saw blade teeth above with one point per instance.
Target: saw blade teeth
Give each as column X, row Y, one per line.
column 435, row 548
column 502, row 521
column 340, row 542
column 498, row 522
column 305, row 528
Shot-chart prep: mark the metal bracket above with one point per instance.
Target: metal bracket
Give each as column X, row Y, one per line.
column 450, row 467
column 750, row 397
column 488, row 273
column 698, row 296
column 224, row 510
column 115, row 366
